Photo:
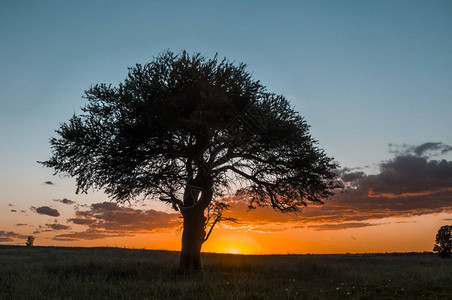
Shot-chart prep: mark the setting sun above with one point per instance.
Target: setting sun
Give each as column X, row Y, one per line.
column 232, row 250
column 233, row 244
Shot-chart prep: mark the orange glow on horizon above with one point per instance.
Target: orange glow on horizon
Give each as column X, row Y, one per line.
column 233, row 244
column 233, row 250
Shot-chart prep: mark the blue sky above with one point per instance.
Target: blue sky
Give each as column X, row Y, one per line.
column 363, row 73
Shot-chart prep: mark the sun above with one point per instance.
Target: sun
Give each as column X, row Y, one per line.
column 233, row 244
column 232, row 250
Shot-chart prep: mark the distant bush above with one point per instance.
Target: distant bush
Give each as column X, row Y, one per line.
column 443, row 243
column 30, row 241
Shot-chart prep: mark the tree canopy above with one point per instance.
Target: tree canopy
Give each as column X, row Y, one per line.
column 443, row 242
column 175, row 115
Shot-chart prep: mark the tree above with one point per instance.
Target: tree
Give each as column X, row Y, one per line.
column 30, row 241
column 185, row 129
column 443, row 243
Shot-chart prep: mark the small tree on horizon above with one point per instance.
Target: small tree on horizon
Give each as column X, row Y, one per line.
column 443, row 242
column 186, row 129
column 30, row 241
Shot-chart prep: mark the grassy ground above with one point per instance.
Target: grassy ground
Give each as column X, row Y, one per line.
column 114, row 273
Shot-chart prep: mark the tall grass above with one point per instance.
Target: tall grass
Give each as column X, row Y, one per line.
column 115, row 273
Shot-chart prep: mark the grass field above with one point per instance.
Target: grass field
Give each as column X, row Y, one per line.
column 115, row 273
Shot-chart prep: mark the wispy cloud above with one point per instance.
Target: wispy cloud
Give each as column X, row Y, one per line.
column 428, row 149
column 340, row 226
column 90, row 234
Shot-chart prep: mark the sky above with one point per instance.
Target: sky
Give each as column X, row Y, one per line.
column 372, row 78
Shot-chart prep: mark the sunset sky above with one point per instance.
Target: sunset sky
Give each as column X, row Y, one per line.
column 372, row 78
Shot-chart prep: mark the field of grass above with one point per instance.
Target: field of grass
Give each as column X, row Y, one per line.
column 115, row 273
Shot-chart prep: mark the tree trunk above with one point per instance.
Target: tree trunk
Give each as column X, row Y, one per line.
column 192, row 239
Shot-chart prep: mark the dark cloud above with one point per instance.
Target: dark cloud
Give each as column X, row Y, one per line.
column 21, row 224
column 349, row 177
column 11, row 235
column 57, row 226
column 48, row 182
column 410, row 174
column 81, row 221
column 65, row 201
column 5, row 239
column 13, row 210
column 45, row 210
column 110, row 216
column 108, row 219
column 9, row 204
column 405, row 186
column 428, row 148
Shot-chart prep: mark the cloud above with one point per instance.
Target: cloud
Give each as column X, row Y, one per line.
column 48, row 182
column 339, row 226
column 5, row 239
column 405, row 186
column 45, row 210
column 410, row 174
column 65, row 201
column 13, row 210
column 108, row 219
column 349, row 177
column 431, row 147
column 90, row 234
column 82, row 221
column 9, row 204
column 11, row 234
column 21, row 224
column 428, row 149
column 57, row 226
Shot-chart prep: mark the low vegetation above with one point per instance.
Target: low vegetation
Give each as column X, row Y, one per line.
column 115, row 273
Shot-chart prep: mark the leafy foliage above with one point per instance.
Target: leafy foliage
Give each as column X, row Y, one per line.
column 182, row 117
column 443, row 242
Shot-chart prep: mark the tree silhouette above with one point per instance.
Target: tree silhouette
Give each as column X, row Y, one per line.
column 185, row 129
column 30, row 241
column 443, row 243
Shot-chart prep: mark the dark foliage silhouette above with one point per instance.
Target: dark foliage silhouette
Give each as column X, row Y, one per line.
column 186, row 129
column 443, row 242
column 30, row 241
